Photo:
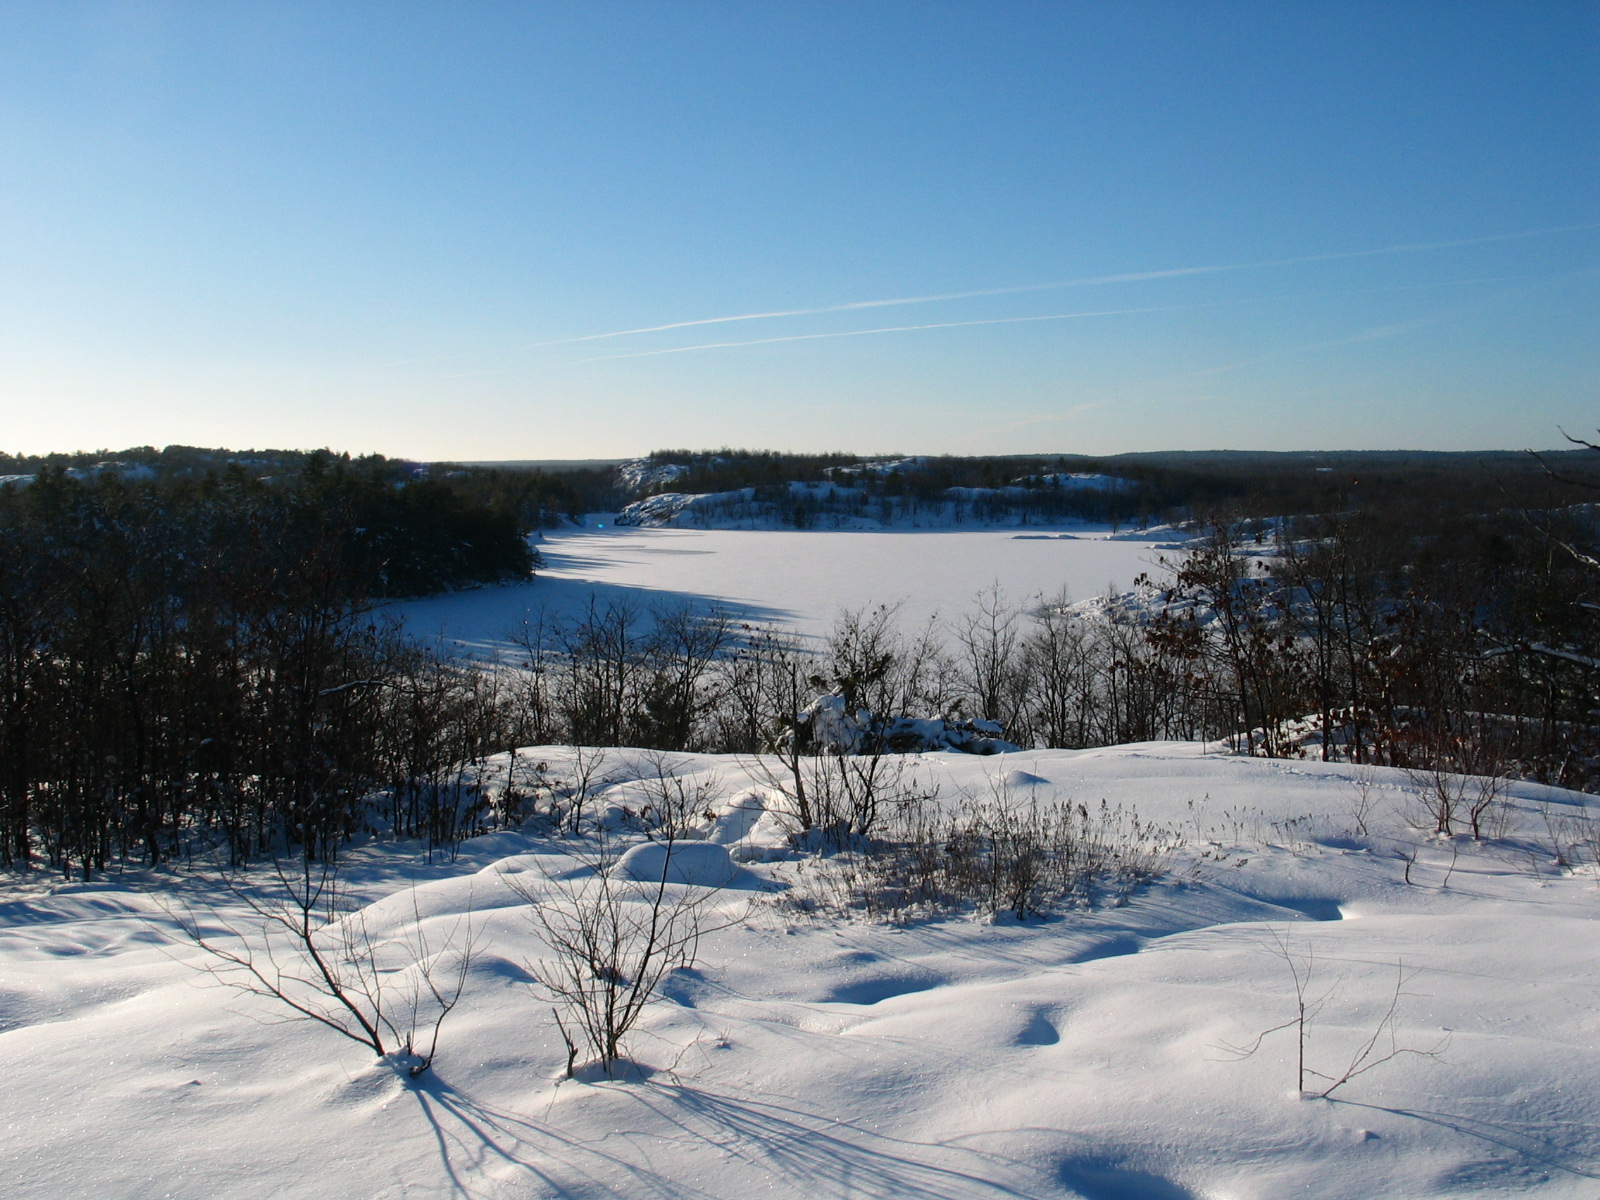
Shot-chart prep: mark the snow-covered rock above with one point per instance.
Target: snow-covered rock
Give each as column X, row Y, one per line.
column 667, row 507
column 639, row 474
column 829, row 725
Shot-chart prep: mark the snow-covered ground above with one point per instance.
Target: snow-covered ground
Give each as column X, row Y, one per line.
column 799, row 578
column 811, row 1056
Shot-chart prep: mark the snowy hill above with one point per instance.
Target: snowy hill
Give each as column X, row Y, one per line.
column 902, row 493
column 814, row 1050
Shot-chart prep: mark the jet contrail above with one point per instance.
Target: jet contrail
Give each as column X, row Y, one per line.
column 808, row 337
column 1110, row 312
column 1085, row 281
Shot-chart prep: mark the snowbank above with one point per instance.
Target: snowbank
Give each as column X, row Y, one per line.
column 1093, row 1055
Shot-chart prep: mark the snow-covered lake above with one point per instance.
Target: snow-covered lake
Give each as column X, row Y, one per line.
column 798, row 578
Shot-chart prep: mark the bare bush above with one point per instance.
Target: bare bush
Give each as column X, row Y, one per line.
column 1572, row 837
column 1003, row 853
column 833, row 801
column 587, row 774
column 1363, row 806
column 1488, row 806
column 675, row 805
column 611, row 942
column 1446, row 797
column 304, row 942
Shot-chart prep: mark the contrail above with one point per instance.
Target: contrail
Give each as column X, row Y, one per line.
column 1085, row 281
column 1110, row 312
column 808, row 337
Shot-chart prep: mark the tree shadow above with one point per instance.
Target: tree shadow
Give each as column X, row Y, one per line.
column 827, row 1156
column 471, row 1135
column 482, row 622
column 818, row 1154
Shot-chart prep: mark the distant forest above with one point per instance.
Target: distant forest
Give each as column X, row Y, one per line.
column 185, row 641
column 1178, row 486
column 529, row 498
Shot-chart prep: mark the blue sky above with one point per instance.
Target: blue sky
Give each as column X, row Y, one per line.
column 1118, row 226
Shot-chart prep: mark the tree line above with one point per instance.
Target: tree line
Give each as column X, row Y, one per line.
column 1145, row 488
column 180, row 653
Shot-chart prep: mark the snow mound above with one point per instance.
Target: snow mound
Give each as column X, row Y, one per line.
column 739, row 821
column 703, row 864
column 1018, row 778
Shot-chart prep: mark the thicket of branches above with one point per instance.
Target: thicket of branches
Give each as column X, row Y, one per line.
column 1468, row 643
column 182, row 655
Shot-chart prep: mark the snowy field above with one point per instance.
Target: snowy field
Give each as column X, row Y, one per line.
column 799, row 579
column 811, row 1056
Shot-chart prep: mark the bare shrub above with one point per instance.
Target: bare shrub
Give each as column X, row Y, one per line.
column 1446, row 797
column 304, row 942
column 1363, row 807
column 611, row 941
column 676, row 805
column 849, row 791
column 1382, row 1045
column 1488, row 806
column 1572, row 837
column 1440, row 794
column 1002, row 853
column 835, row 801
column 569, row 797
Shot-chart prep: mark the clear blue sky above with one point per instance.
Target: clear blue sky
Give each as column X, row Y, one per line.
column 386, row 226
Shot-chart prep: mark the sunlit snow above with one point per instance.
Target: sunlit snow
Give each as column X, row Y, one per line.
column 809, row 1055
column 800, row 579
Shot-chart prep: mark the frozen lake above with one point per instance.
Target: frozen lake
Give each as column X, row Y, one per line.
column 800, row 579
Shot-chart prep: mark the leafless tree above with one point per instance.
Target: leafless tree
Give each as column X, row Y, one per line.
column 987, row 651
column 1382, row 1045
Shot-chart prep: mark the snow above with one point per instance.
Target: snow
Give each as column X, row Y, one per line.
column 801, row 579
column 1081, row 481
column 702, row 864
column 810, row 1054
column 640, row 473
